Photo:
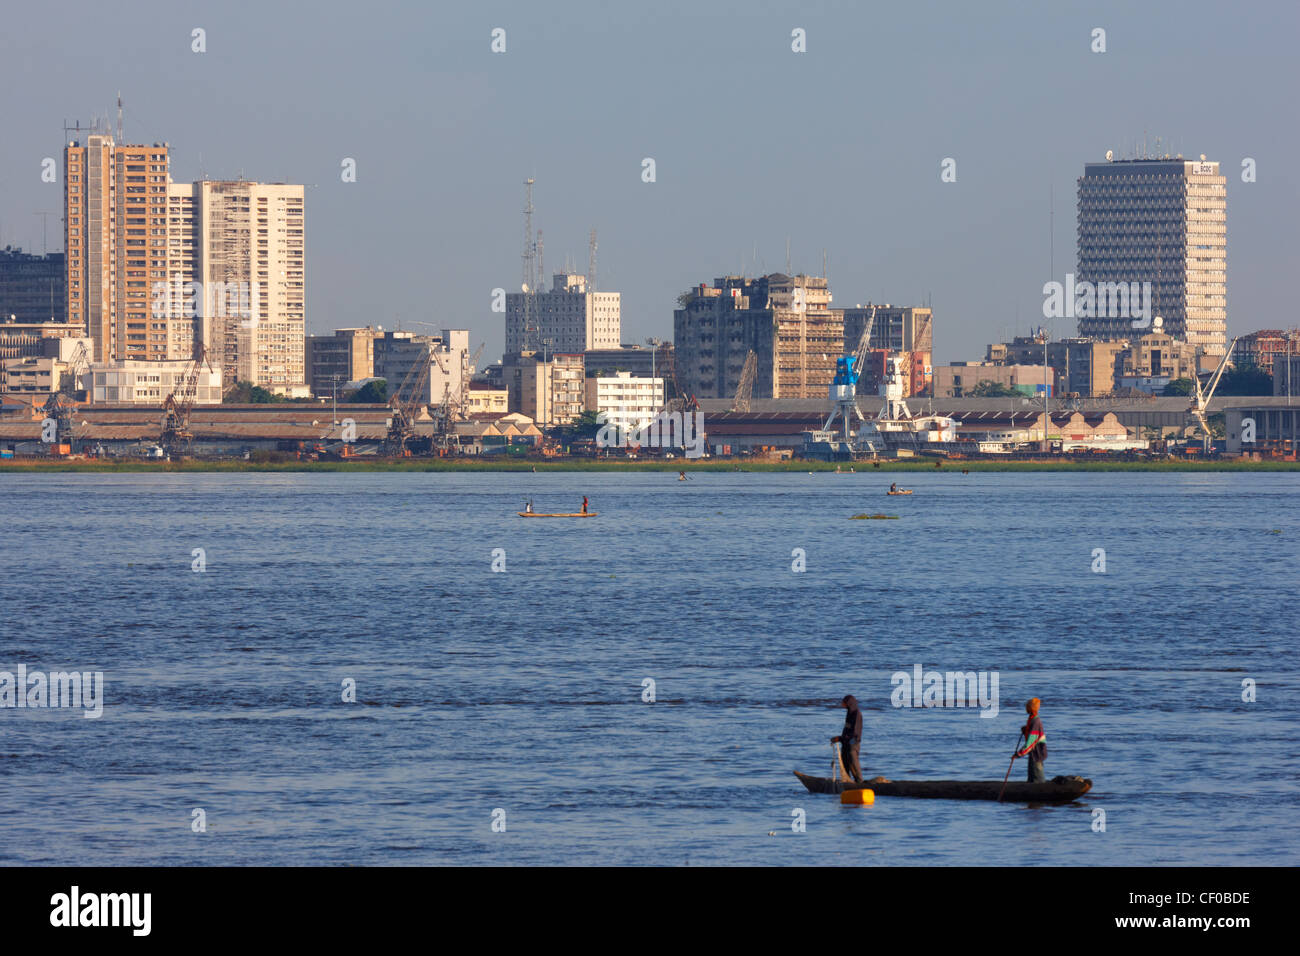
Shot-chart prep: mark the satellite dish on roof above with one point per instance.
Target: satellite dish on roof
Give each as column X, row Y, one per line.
column 1110, row 154
column 1157, row 322
column 524, row 287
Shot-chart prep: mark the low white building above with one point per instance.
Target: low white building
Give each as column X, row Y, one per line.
column 136, row 382
column 626, row 400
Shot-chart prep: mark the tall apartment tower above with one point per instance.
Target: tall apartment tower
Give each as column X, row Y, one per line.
column 786, row 320
column 567, row 319
column 115, row 234
column 185, row 324
column 1162, row 221
column 242, row 244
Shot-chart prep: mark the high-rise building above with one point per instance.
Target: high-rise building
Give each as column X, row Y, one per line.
column 184, row 315
column 787, row 321
column 568, row 318
column 241, row 245
column 1161, row 221
column 32, row 288
column 115, row 237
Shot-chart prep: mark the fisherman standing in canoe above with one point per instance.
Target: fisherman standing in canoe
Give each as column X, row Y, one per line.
column 850, row 738
column 584, row 504
column 528, row 506
column 1034, row 747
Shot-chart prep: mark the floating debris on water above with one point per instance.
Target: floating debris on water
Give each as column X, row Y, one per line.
column 874, row 517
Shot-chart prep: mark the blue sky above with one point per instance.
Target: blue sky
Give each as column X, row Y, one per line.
column 838, row 148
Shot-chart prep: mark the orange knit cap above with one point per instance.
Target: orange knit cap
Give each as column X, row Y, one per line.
column 1031, row 707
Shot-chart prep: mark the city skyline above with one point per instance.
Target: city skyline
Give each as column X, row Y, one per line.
column 439, row 175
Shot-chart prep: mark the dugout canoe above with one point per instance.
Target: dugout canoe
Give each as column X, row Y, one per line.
column 900, row 492
column 1056, row 790
column 575, row 514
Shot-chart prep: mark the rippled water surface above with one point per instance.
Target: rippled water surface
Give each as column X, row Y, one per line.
column 522, row 690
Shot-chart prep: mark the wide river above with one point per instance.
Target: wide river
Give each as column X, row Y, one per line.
column 521, row 698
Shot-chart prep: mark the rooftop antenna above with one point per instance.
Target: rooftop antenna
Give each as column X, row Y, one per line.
column 591, row 261
column 787, row 255
column 120, row 139
column 77, row 128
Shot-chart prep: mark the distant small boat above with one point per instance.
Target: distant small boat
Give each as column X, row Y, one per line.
column 575, row 514
column 900, row 491
column 1056, row 790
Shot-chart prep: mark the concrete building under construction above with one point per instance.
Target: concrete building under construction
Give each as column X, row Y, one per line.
column 787, row 321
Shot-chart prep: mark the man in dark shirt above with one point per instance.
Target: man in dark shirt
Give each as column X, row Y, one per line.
column 850, row 738
column 1035, row 748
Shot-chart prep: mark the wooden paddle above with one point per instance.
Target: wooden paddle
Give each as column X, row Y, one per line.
column 1009, row 766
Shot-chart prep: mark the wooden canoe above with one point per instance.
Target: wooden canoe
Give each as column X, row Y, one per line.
column 1056, row 790
column 907, row 492
column 576, row 514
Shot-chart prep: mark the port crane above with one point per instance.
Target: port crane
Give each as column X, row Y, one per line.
column 844, row 387
column 174, row 434
column 681, row 401
column 401, row 426
column 745, row 390
column 1200, row 397
column 61, row 405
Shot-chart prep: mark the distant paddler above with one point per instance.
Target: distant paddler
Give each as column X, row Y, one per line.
column 681, row 476
column 850, row 738
column 584, row 504
column 1035, row 748
column 528, row 506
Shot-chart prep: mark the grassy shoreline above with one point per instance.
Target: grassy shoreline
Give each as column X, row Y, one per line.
column 580, row 465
